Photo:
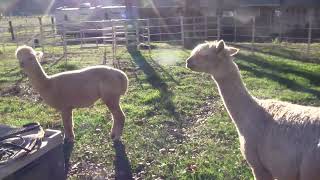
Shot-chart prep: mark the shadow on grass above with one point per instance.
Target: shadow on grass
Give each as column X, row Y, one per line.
column 261, row 62
column 290, row 84
column 155, row 80
column 165, row 72
column 283, row 52
column 121, row 162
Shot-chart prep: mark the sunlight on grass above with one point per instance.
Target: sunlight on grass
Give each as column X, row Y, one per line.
column 176, row 124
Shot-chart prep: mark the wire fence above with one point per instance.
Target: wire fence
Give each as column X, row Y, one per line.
column 45, row 33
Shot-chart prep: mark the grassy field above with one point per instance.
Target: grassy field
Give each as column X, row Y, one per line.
column 176, row 126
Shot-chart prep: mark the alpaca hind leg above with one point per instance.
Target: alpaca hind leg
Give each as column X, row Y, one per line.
column 113, row 103
column 68, row 124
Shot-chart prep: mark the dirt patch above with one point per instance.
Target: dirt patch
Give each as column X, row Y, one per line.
column 23, row 90
column 89, row 170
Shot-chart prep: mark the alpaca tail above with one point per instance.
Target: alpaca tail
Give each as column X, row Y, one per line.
column 124, row 83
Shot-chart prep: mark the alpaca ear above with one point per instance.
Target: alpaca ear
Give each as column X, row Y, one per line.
column 233, row 51
column 220, row 46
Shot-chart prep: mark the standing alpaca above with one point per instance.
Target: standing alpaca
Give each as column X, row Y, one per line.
column 76, row 89
column 279, row 140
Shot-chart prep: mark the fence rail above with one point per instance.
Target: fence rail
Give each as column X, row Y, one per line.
column 184, row 30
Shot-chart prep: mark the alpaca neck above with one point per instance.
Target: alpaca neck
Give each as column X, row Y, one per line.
column 39, row 79
column 241, row 106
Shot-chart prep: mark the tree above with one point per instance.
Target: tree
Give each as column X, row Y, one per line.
column 192, row 8
column 128, row 4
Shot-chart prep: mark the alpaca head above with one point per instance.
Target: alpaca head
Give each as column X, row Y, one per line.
column 212, row 57
column 28, row 58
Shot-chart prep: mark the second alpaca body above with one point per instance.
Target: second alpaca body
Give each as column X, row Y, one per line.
column 279, row 140
column 76, row 89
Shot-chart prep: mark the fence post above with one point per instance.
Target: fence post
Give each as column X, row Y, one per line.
column 253, row 33
column 309, row 34
column 160, row 29
column 235, row 30
column 11, row 31
column 218, row 28
column 148, row 24
column 137, row 32
column 52, row 24
column 65, row 52
column 81, row 38
column 126, row 31
column 280, row 28
column 182, row 30
column 113, row 45
column 193, row 28
column 206, row 27
column 41, row 33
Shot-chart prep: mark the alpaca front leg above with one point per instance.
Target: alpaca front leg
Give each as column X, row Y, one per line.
column 118, row 118
column 68, row 137
column 68, row 125
column 258, row 170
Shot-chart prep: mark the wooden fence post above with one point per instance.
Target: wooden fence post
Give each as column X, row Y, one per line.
column 126, row 31
column 193, row 28
column 160, row 29
column 41, row 33
column 280, row 28
column 53, row 24
column 65, row 51
column 218, row 28
column 182, row 30
column 253, row 33
column 113, row 45
column 11, row 31
column 149, row 45
column 309, row 35
column 206, row 27
column 137, row 32
column 235, row 30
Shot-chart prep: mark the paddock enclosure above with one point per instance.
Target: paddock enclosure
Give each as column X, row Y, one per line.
column 176, row 126
column 46, row 32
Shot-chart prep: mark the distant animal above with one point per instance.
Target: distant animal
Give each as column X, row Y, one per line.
column 76, row 89
column 278, row 139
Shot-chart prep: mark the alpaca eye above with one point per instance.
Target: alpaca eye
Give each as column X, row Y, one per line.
column 204, row 56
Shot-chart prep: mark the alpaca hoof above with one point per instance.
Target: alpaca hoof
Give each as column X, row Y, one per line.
column 67, row 151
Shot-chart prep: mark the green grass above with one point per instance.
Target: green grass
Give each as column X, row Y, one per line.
column 176, row 126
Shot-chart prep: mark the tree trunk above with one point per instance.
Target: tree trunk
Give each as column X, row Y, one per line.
column 128, row 4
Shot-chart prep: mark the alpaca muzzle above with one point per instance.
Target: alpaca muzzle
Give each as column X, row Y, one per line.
column 189, row 64
column 21, row 64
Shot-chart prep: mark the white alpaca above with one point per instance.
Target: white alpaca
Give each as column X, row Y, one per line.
column 279, row 140
column 76, row 89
